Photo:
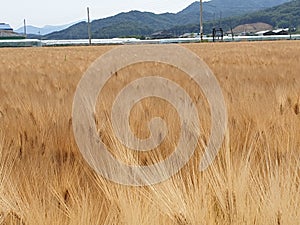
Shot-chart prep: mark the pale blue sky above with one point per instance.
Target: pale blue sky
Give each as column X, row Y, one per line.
column 58, row 12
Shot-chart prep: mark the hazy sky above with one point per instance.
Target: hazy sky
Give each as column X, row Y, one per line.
column 58, row 12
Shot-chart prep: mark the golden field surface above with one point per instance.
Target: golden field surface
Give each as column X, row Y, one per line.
column 255, row 178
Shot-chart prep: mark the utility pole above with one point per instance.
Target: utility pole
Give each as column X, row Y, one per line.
column 201, row 20
column 89, row 26
column 232, row 34
column 25, row 33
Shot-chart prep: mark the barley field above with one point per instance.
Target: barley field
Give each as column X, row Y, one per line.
column 255, row 178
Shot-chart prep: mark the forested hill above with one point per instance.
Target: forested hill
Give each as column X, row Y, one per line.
column 145, row 23
column 281, row 16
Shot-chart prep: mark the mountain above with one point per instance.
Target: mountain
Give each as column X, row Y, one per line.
column 43, row 30
column 145, row 23
column 238, row 7
column 281, row 16
column 123, row 24
column 225, row 8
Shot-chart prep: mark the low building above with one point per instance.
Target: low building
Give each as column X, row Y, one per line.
column 6, row 32
column 281, row 31
column 189, row 35
column 5, row 27
column 273, row 32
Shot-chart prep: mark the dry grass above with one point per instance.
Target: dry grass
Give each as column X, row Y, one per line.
column 254, row 180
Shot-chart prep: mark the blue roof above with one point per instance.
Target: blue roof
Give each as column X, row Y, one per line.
column 4, row 26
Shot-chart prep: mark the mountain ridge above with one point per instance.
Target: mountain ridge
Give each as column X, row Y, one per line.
column 136, row 23
column 47, row 29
